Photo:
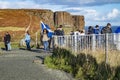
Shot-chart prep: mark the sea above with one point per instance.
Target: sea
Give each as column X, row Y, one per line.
column 112, row 27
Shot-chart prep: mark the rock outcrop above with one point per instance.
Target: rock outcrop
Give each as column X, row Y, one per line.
column 78, row 22
column 63, row 18
column 44, row 15
column 66, row 19
column 22, row 18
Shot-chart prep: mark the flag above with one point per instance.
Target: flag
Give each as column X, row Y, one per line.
column 117, row 30
column 45, row 26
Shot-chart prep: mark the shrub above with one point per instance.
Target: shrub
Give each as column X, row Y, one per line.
column 117, row 74
column 83, row 67
column 48, row 61
column 104, row 72
column 87, row 67
column 60, row 59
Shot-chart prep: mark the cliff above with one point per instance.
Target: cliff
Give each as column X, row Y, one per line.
column 66, row 19
column 63, row 18
column 78, row 22
column 16, row 21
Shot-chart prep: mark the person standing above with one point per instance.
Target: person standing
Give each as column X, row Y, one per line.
column 45, row 39
column 5, row 42
column 90, row 37
column 108, row 36
column 96, row 29
column 27, row 40
column 8, row 39
column 106, row 29
column 90, row 30
column 97, row 36
column 60, row 33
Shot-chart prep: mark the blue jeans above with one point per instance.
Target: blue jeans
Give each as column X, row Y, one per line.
column 45, row 43
column 60, row 40
column 9, row 46
column 28, row 44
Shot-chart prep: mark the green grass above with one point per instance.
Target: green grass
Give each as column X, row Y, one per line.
column 84, row 66
column 11, row 28
column 13, row 45
column 0, row 52
column 67, row 30
column 113, row 56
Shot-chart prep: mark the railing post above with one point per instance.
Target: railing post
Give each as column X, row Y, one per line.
column 75, row 43
column 106, row 48
column 36, row 40
column 118, row 41
column 93, row 42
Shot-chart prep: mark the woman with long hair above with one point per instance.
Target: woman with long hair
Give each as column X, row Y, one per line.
column 45, row 39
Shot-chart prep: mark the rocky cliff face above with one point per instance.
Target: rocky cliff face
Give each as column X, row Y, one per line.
column 63, row 18
column 78, row 22
column 66, row 19
column 16, row 21
column 47, row 16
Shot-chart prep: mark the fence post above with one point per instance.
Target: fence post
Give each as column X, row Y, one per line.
column 75, row 43
column 36, row 40
column 118, row 41
column 93, row 42
column 106, row 48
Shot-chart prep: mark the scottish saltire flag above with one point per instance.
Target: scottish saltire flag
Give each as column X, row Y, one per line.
column 45, row 26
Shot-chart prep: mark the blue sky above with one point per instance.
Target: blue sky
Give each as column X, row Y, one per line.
column 95, row 11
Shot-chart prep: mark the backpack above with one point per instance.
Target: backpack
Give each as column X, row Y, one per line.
column 106, row 30
column 60, row 32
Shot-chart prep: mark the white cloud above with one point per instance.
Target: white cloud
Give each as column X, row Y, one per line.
column 82, row 11
column 91, row 12
column 4, row 4
column 73, row 8
column 100, row 19
column 113, row 14
column 92, row 16
column 28, row 4
column 86, row 1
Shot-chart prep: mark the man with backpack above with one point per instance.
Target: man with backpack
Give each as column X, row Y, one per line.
column 60, row 33
column 106, row 29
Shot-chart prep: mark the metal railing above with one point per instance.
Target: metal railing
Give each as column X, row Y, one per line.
column 78, row 43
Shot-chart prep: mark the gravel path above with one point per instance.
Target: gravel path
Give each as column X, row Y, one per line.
column 18, row 65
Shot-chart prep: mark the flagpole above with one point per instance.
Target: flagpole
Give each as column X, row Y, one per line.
column 29, row 24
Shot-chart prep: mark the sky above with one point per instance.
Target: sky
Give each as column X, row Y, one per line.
column 96, row 12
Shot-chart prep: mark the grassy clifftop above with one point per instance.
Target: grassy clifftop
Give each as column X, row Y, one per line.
column 15, row 21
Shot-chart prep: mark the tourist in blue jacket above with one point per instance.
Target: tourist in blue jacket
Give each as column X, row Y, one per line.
column 27, row 40
column 96, row 30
